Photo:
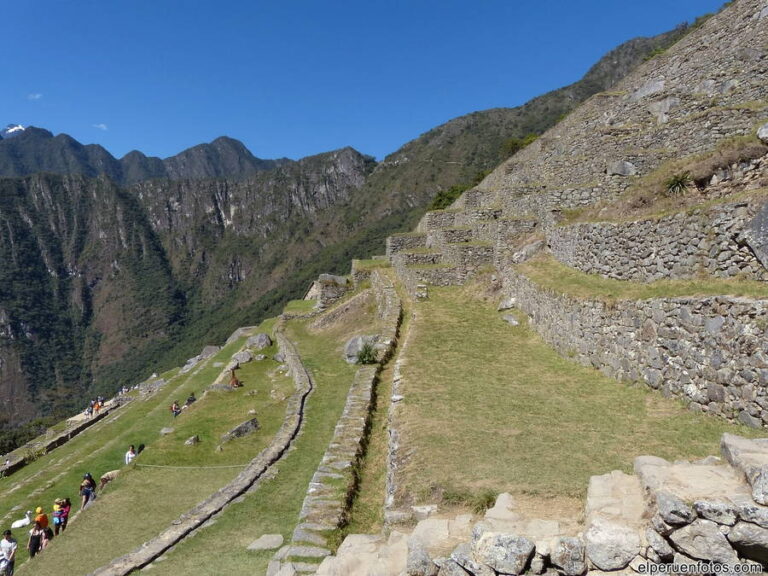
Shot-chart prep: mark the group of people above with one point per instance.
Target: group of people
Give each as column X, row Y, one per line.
column 95, row 406
column 40, row 534
column 176, row 408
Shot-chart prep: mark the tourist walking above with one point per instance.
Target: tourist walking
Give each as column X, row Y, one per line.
column 36, row 536
column 87, row 490
column 41, row 518
column 66, row 506
column 130, row 455
column 8, row 547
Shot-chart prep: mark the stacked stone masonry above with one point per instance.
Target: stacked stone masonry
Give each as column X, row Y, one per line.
column 677, row 246
column 710, row 511
column 335, row 481
column 711, row 352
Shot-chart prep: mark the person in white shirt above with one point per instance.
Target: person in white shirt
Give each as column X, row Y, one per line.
column 130, row 455
column 7, row 553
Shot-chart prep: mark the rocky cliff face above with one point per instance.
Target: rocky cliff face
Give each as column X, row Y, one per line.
column 98, row 280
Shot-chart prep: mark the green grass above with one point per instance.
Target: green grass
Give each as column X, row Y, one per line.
column 551, row 274
column 370, row 264
column 299, row 306
column 490, row 407
column 274, row 507
column 144, row 500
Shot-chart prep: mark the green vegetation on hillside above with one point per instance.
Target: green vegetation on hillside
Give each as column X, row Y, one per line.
column 150, row 494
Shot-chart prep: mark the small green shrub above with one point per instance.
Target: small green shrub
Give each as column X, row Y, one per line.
column 367, row 354
column 678, row 183
column 514, row 145
column 479, row 502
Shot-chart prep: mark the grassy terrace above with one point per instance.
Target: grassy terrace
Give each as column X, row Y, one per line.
column 300, row 306
column 274, row 507
column 553, row 275
column 490, row 407
column 145, row 499
column 371, row 264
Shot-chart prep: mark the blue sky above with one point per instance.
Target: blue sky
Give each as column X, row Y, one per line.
column 297, row 77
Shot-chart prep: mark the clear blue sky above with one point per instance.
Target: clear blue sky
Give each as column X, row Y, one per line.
column 297, row 77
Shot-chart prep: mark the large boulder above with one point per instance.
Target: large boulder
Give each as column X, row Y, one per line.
column 462, row 555
column 241, row 430
column 621, row 168
column 242, row 357
column 703, row 540
column 762, row 132
column 259, row 341
column 611, row 546
column 755, row 234
column 505, row 553
column 355, row 344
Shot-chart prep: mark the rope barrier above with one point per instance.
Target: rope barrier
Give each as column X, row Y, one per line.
column 190, row 467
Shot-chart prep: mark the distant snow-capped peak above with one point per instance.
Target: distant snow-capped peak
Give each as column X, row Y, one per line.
column 11, row 130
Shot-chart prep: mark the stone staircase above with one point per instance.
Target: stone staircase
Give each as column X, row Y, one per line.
column 450, row 246
column 712, row 511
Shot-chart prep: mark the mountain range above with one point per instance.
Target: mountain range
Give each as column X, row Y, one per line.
column 116, row 268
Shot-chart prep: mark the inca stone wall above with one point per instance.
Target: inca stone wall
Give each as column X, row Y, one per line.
column 334, row 483
column 401, row 242
column 711, row 352
column 677, row 246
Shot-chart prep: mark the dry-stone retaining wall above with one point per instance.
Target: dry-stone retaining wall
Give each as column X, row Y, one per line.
column 201, row 513
column 677, row 246
column 712, row 352
column 402, row 242
column 31, row 450
column 335, row 481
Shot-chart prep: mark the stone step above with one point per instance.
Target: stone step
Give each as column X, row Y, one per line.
column 615, row 497
column 709, row 479
column 403, row 242
column 368, row 555
column 750, row 458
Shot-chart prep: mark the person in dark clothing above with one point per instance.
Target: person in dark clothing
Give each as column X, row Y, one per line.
column 35, row 543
